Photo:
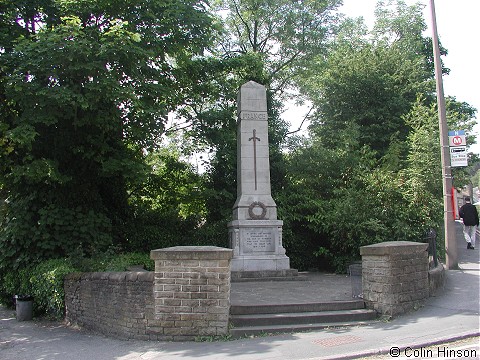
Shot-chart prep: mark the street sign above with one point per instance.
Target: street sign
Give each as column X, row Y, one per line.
column 457, row 138
column 458, row 156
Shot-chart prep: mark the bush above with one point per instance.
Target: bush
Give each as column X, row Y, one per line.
column 15, row 283
column 45, row 281
column 47, row 286
column 123, row 261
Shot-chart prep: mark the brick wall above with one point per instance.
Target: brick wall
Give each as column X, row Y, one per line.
column 115, row 304
column 187, row 296
column 192, row 291
column 394, row 276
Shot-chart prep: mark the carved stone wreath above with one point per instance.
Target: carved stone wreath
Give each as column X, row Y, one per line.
column 254, row 205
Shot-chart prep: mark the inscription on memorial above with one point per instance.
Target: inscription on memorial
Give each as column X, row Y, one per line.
column 244, row 115
column 258, row 240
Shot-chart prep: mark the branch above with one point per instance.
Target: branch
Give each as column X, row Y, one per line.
column 237, row 11
column 177, row 128
column 303, row 121
column 262, row 44
column 285, row 64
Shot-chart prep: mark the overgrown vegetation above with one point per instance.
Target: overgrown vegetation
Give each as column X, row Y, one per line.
column 44, row 281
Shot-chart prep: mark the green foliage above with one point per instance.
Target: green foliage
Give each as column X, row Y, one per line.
column 338, row 200
column 15, row 283
column 285, row 34
column 476, row 179
column 47, row 286
column 85, row 88
column 122, row 262
column 371, row 171
column 39, row 230
column 169, row 205
column 370, row 88
column 44, row 282
column 341, row 198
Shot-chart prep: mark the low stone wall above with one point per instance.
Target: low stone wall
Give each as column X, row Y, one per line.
column 187, row 296
column 115, row 304
column 394, row 276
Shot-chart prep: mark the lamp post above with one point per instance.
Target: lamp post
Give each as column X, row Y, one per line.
column 448, row 218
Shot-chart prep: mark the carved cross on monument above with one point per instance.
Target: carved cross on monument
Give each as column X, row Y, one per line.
column 255, row 139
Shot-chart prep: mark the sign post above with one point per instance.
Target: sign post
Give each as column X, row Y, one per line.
column 458, row 148
column 448, row 218
column 457, row 138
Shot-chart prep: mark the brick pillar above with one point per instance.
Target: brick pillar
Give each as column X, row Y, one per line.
column 394, row 276
column 191, row 291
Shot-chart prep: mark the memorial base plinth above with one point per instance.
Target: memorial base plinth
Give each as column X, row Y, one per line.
column 258, row 250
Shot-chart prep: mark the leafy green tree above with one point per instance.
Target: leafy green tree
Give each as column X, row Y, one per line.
column 421, row 179
column 339, row 199
column 371, row 171
column 168, row 206
column 285, row 34
column 369, row 83
column 264, row 41
column 403, row 26
column 87, row 86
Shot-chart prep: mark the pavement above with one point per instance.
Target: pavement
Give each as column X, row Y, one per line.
column 453, row 314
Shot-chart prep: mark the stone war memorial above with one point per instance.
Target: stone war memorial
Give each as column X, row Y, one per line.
column 255, row 233
column 189, row 293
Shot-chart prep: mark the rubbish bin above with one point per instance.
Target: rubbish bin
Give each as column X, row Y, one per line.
column 355, row 272
column 24, row 307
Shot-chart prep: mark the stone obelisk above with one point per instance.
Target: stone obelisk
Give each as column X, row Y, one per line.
column 255, row 232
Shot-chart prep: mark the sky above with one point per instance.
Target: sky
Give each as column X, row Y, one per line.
column 458, row 28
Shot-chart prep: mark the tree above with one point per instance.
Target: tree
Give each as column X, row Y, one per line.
column 264, row 41
column 369, row 88
column 371, row 171
column 369, row 83
column 168, row 207
column 285, row 34
column 87, row 87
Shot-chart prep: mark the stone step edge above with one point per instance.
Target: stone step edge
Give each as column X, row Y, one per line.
column 261, row 279
column 265, row 320
column 239, row 309
column 303, row 314
column 266, row 275
column 238, row 332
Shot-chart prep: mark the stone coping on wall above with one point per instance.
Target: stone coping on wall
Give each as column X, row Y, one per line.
column 393, row 248
column 192, row 252
column 117, row 276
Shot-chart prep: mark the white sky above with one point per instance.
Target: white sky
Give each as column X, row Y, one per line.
column 458, row 26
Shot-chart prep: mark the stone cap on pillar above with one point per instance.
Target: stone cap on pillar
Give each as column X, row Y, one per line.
column 192, row 253
column 252, row 97
column 393, row 248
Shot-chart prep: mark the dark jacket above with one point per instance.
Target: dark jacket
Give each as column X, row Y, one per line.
column 469, row 214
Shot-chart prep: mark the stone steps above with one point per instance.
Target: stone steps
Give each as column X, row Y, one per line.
column 254, row 320
column 267, row 275
column 296, row 308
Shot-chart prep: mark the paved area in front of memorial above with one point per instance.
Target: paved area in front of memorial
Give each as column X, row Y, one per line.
column 452, row 314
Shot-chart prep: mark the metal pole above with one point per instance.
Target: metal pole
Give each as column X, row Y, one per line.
column 448, row 218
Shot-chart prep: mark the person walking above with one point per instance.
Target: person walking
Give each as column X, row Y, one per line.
column 469, row 215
